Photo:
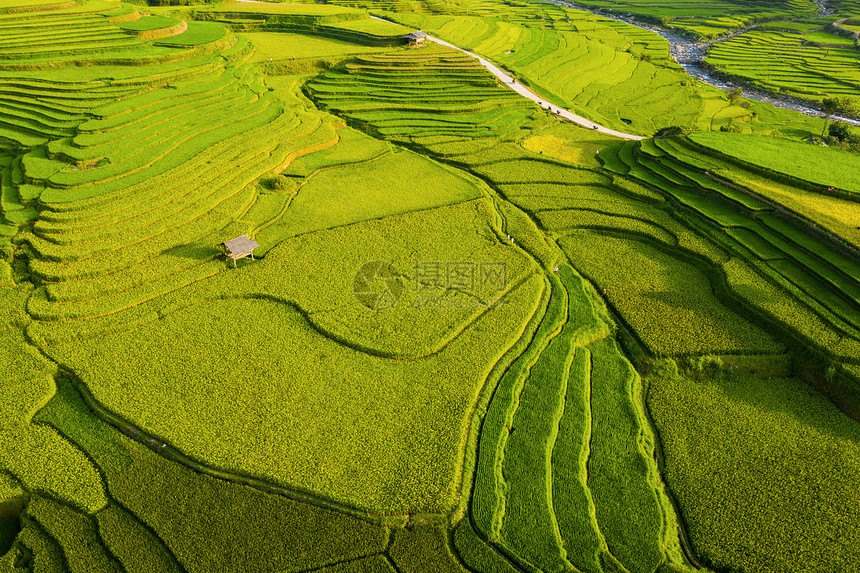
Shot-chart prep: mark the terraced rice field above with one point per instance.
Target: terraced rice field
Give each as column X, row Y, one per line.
column 806, row 63
column 706, row 19
column 821, row 278
column 612, row 73
column 660, row 234
column 474, row 337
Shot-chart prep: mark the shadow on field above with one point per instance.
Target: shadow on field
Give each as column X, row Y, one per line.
column 196, row 251
column 790, row 398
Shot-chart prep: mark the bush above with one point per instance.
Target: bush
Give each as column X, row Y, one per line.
column 278, row 183
column 839, row 130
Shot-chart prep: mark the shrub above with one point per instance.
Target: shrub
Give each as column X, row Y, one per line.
column 839, row 130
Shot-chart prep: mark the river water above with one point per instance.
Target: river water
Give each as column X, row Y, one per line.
column 689, row 55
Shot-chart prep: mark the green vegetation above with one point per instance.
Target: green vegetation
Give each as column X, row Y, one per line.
column 8, row 532
column 376, row 189
column 284, row 47
column 424, row 548
column 173, row 512
column 796, row 263
column 612, row 73
column 809, row 64
column 618, row 472
column 571, row 498
column 147, row 23
column 309, row 321
column 374, row 27
column 813, row 164
column 788, row 437
column 197, row 34
column 651, row 289
column 704, row 20
column 432, row 362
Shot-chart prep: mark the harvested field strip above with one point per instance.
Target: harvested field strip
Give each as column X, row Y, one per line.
column 622, row 477
column 573, row 505
column 489, row 488
column 529, row 528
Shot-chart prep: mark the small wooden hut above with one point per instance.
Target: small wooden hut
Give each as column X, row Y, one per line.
column 416, row 38
column 240, row 247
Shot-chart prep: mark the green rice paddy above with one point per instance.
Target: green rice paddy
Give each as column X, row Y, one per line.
column 811, row 64
column 474, row 337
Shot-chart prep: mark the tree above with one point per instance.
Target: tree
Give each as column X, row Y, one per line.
column 849, row 106
column 831, row 104
column 735, row 95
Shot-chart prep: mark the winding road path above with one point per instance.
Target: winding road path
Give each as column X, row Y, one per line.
column 527, row 93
